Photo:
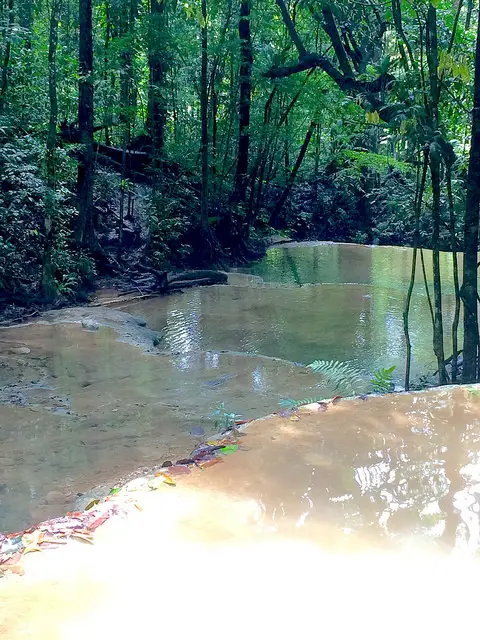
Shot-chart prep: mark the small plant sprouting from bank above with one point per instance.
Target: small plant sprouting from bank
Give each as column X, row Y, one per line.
column 224, row 419
column 382, row 380
column 346, row 378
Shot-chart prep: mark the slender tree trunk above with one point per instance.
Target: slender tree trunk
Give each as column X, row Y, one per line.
column 468, row 20
column 404, row 42
column 318, row 139
column 204, row 118
column 246, row 57
column 435, row 168
column 298, row 164
column 228, row 133
column 456, row 280
column 6, row 56
column 216, row 73
column 127, row 103
column 48, row 282
column 214, row 134
column 421, row 181
column 174, row 109
column 286, row 149
column 438, row 346
column 470, row 254
column 107, row 120
column 84, row 232
column 158, row 63
column 25, row 16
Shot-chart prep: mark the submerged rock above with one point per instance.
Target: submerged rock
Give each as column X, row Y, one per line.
column 130, row 329
column 20, row 351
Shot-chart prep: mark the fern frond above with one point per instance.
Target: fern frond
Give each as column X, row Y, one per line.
column 344, row 375
column 382, row 380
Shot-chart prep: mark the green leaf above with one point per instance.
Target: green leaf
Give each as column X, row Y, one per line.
column 382, row 380
column 230, row 448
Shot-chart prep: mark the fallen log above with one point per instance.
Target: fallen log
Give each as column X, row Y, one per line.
column 212, row 276
column 185, row 284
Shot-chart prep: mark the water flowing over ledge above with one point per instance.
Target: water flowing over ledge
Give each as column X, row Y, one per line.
column 312, row 505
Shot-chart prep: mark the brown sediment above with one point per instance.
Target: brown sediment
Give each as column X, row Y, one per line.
column 334, row 524
column 81, row 411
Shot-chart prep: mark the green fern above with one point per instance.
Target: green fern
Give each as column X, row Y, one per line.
column 382, row 380
column 344, row 376
column 347, row 378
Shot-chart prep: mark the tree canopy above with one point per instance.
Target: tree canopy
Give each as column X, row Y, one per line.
column 164, row 133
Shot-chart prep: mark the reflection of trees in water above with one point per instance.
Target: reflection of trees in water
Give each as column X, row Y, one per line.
column 426, row 483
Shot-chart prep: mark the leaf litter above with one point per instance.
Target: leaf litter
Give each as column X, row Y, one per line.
column 81, row 525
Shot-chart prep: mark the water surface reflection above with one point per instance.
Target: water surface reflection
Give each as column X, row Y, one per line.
column 395, row 471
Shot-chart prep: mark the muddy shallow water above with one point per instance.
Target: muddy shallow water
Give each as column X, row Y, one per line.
column 341, row 521
column 83, row 410
column 80, row 410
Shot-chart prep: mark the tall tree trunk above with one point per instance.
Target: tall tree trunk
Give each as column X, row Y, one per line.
column 456, row 281
column 214, row 132
column 246, row 57
column 158, row 63
column 438, row 346
column 174, row 108
column 204, row 118
column 84, row 231
column 25, row 18
column 6, row 56
column 435, row 168
column 318, row 140
column 127, row 102
column 468, row 19
column 470, row 255
column 421, row 181
column 48, row 283
column 286, row 149
column 107, row 119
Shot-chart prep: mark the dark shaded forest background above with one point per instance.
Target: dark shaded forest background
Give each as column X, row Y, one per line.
column 150, row 135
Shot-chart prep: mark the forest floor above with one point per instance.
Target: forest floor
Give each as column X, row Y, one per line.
column 121, row 287
column 210, row 558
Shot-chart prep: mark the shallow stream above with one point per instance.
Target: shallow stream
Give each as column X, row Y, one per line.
column 80, row 410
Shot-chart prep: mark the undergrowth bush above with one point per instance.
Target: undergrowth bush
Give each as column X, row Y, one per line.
column 23, row 192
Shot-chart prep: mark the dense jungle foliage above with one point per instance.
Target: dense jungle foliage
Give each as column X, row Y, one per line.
column 150, row 134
